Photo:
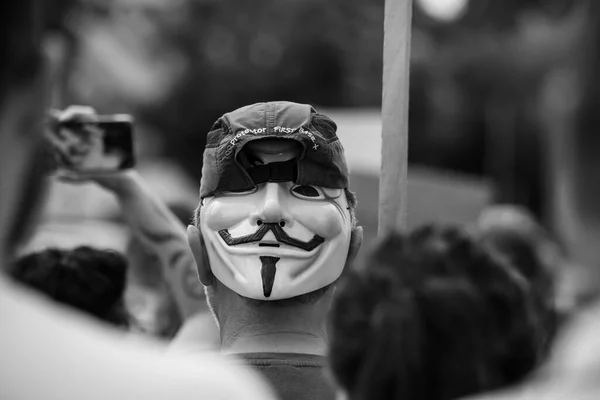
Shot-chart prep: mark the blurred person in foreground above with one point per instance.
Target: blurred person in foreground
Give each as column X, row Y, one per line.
column 87, row 279
column 572, row 371
column 433, row 315
column 273, row 232
column 573, row 368
column 158, row 235
column 49, row 351
column 514, row 233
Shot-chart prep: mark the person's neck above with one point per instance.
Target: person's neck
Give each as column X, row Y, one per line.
column 290, row 328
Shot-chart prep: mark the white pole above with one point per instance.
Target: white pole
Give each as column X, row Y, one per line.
column 394, row 152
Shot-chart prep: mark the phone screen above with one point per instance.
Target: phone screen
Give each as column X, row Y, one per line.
column 102, row 145
column 118, row 138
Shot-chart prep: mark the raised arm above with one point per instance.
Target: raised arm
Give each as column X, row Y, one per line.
column 161, row 232
column 80, row 146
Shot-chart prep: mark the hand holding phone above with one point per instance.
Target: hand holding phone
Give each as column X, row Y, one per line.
column 87, row 142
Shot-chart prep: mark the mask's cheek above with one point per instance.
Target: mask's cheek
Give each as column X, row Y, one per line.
column 218, row 213
column 321, row 218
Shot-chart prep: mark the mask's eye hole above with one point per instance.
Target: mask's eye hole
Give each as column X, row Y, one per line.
column 307, row 192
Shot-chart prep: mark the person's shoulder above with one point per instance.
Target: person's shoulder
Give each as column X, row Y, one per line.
column 210, row 377
column 198, row 334
column 51, row 353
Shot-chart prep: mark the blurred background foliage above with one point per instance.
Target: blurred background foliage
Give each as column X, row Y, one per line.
column 501, row 91
column 479, row 69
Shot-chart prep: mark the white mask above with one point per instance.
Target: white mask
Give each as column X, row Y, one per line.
column 279, row 240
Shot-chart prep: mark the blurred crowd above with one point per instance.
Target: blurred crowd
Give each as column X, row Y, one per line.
column 186, row 233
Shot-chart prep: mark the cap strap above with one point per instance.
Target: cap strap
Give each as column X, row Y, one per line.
column 274, row 172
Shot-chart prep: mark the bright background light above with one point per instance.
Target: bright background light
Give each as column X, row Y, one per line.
column 443, row 10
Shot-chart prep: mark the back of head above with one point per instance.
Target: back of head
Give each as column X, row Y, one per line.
column 89, row 280
column 514, row 233
column 431, row 315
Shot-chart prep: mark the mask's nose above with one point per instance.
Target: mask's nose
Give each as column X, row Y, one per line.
column 273, row 206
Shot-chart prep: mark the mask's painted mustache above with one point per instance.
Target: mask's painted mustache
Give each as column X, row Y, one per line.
column 279, row 233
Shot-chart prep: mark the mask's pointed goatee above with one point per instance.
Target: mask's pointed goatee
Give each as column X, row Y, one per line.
column 268, row 273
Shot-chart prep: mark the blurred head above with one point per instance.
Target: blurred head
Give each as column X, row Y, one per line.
column 513, row 233
column 26, row 70
column 516, row 232
column 89, row 280
column 276, row 216
column 432, row 315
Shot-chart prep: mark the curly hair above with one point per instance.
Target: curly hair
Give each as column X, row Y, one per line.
column 90, row 280
column 432, row 315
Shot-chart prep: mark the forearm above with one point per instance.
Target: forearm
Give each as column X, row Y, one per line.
column 150, row 219
column 161, row 232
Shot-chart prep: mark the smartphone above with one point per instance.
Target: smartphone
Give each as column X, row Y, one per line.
column 118, row 137
column 102, row 145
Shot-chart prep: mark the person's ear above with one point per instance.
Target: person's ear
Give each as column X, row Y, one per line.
column 356, row 239
column 196, row 243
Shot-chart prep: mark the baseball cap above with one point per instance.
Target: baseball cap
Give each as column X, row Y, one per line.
column 321, row 162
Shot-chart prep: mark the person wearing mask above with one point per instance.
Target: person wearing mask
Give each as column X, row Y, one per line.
column 274, row 230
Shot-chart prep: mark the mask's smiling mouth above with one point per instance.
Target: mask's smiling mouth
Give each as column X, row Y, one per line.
column 268, row 244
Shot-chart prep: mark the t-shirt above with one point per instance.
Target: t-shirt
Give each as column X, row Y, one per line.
column 293, row 376
column 52, row 354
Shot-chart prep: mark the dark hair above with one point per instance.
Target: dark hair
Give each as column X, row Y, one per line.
column 90, row 280
column 533, row 253
column 432, row 315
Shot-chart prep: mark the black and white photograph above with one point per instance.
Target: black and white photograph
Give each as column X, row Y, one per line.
column 300, row 200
